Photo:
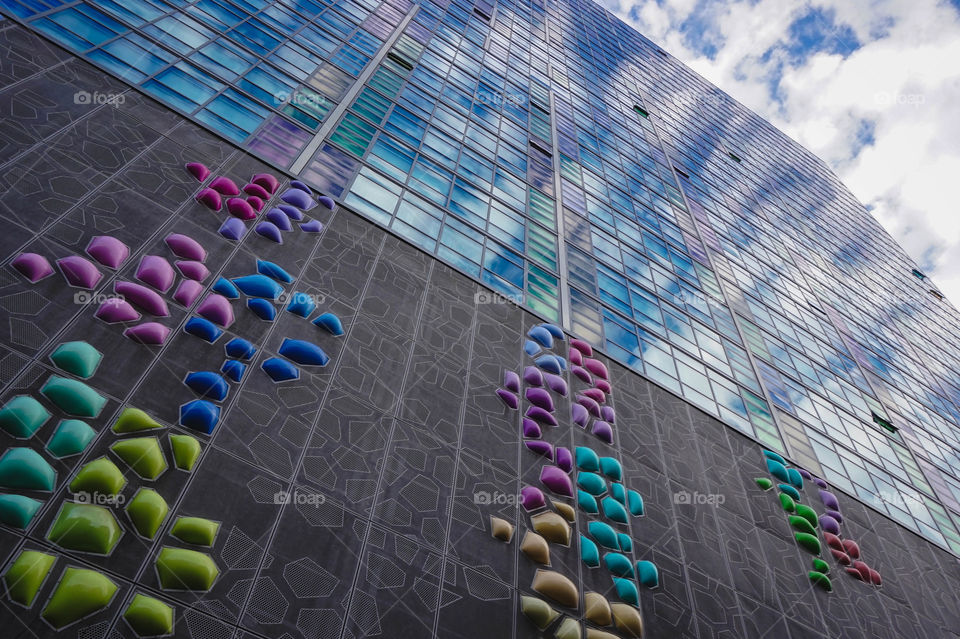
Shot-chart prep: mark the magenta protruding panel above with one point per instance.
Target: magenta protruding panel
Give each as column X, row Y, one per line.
column 217, row 309
column 256, row 190
column 143, row 297
column 532, row 498
column 540, row 415
column 564, row 458
column 508, row 398
column 557, row 481
column 533, row 376
column 540, row 447
column 157, row 272
column 186, row 247
column 531, row 428
column 151, row 333
column 279, row 218
column 590, row 404
column 575, row 357
column 240, row 208
column 32, row 266
column 540, row 397
column 108, row 250
column 116, row 309
column 596, row 367
column 270, row 231
column 265, row 181
column 595, row 394
column 210, row 199
column 511, row 381
column 582, row 346
column 579, row 415
column 224, row 186
column 79, row 271
column 603, row 386
column 199, row 171
column 582, row 373
column 188, row 292
column 255, row 203
column 193, row 270
column 556, row 383
column 603, row 430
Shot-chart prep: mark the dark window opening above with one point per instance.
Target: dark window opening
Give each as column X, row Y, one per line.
column 403, row 63
column 482, row 14
column 937, row 294
column 546, row 152
column 734, row 157
column 641, row 111
column 919, row 274
column 886, row 424
column 681, row 173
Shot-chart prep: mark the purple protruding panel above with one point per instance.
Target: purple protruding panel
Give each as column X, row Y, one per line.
column 836, row 515
column 79, row 271
column 805, row 474
column 298, row 198
column 193, row 270
column 210, row 199
column 595, row 394
column 531, row 428
column 575, row 357
column 265, row 181
column 829, row 500
column 556, row 383
column 326, row 201
column 579, row 415
column 830, row 524
column 232, row 228
column 108, row 250
column 186, row 247
column 313, row 226
column 819, row 482
column 141, row 296
column 511, row 381
column 540, row 447
column 508, row 398
column 151, row 333
column 556, row 480
column 240, row 208
column 582, row 346
column 198, row 171
column 532, row 498
column 116, row 309
column 590, row 404
column 533, row 376
column 582, row 373
column 540, row 397
column 292, row 212
column 256, row 190
column 540, row 415
column 157, row 272
column 188, row 292
column 603, row 430
column 270, row 231
column 596, row 367
column 224, row 186
column 297, row 184
column 255, row 203
column 564, row 458
column 603, row 386
column 32, row 266
column 217, row 309
column 279, row 218
column 607, row 414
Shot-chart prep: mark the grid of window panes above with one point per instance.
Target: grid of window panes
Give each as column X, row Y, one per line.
column 550, row 151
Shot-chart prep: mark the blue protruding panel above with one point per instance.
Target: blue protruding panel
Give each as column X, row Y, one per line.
column 200, row 415
column 203, row 328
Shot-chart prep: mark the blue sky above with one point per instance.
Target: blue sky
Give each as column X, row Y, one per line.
column 870, row 86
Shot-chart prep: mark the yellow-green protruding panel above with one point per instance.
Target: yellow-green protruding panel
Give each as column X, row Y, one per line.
column 568, row 629
column 147, row 510
column 78, row 358
column 538, row 611
column 22, row 416
column 142, row 454
column 182, row 569
column 85, row 527
column 80, row 593
column 556, row 586
column 133, row 420
column 186, row 450
column 628, row 619
column 25, row 576
column 149, row 617
column 99, row 476
column 73, row 396
column 195, row 530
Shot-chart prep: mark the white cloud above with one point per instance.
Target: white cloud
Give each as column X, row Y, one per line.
column 902, row 84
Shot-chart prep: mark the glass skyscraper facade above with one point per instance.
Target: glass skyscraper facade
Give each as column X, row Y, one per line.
column 558, row 157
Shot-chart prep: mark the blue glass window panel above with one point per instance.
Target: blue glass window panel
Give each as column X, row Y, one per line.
column 122, row 69
column 24, row 8
column 391, row 158
column 83, row 26
column 281, row 18
column 183, row 34
column 238, row 110
column 135, row 12
column 336, row 23
column 317, row 40
column 184, row 83
column 295, row 60
column 469, row 203
column 442, row 149
column 220, row 60
column 365, row 42
column 223, row 127
column 266, row 86
column 421, row 216
column 256, row 39
column 507, row 226
column 350, row 60
column 168, row 96
column 504, row 288
column 475, row 168
column 406, row 126
column 304, row 7
column 215, row 14
column 510, row 189
column 431, row 181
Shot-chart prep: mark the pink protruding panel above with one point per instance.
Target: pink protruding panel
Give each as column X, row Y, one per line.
column 151, row 333
column 117, row 309
column 108, row 250
column 143, row 297
column 240, row 208
column 511, row 381
column 79, row 271
column 186, row 247
column 265, row 181
column 157, row 272
column 257, row 190
column 32, row 266
column 193, row 270
column 508, row 398
column 210, row 199
column 188, row 292
column 217, row 309
column 224, row 186
column 198, row 171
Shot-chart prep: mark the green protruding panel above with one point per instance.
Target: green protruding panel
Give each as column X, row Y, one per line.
column 635, row 503
column 591, row 482
column 809, row 514
column 764, row 483
column 186, row 450
column 618, row 492
column 618, row 564
column 77, row 358
column 17, row 511
column 587, row 502
column 790, row 490
column 147, row 510
column 25, row 469
column 604, row 534
column 589, row 552
column 73, row 396
column 778, row 470
column 142, row 454
column 86, row 528
column 820, row 565
column 538, row 611
column 587, row 459
column 796, row 479
column 611, row 468
column 80, row 593
column 808, row 541
column 801, row 524
column 22, row 416
column 786, row 501
column 99, row 476
column 133, row 420
column 627, row 591
column 821, row 580
column 71, row 438
column 25, row 576
column 149, row 617
column 614, row 510
column 182, row 569
column 648, row 574
column 195, row 530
